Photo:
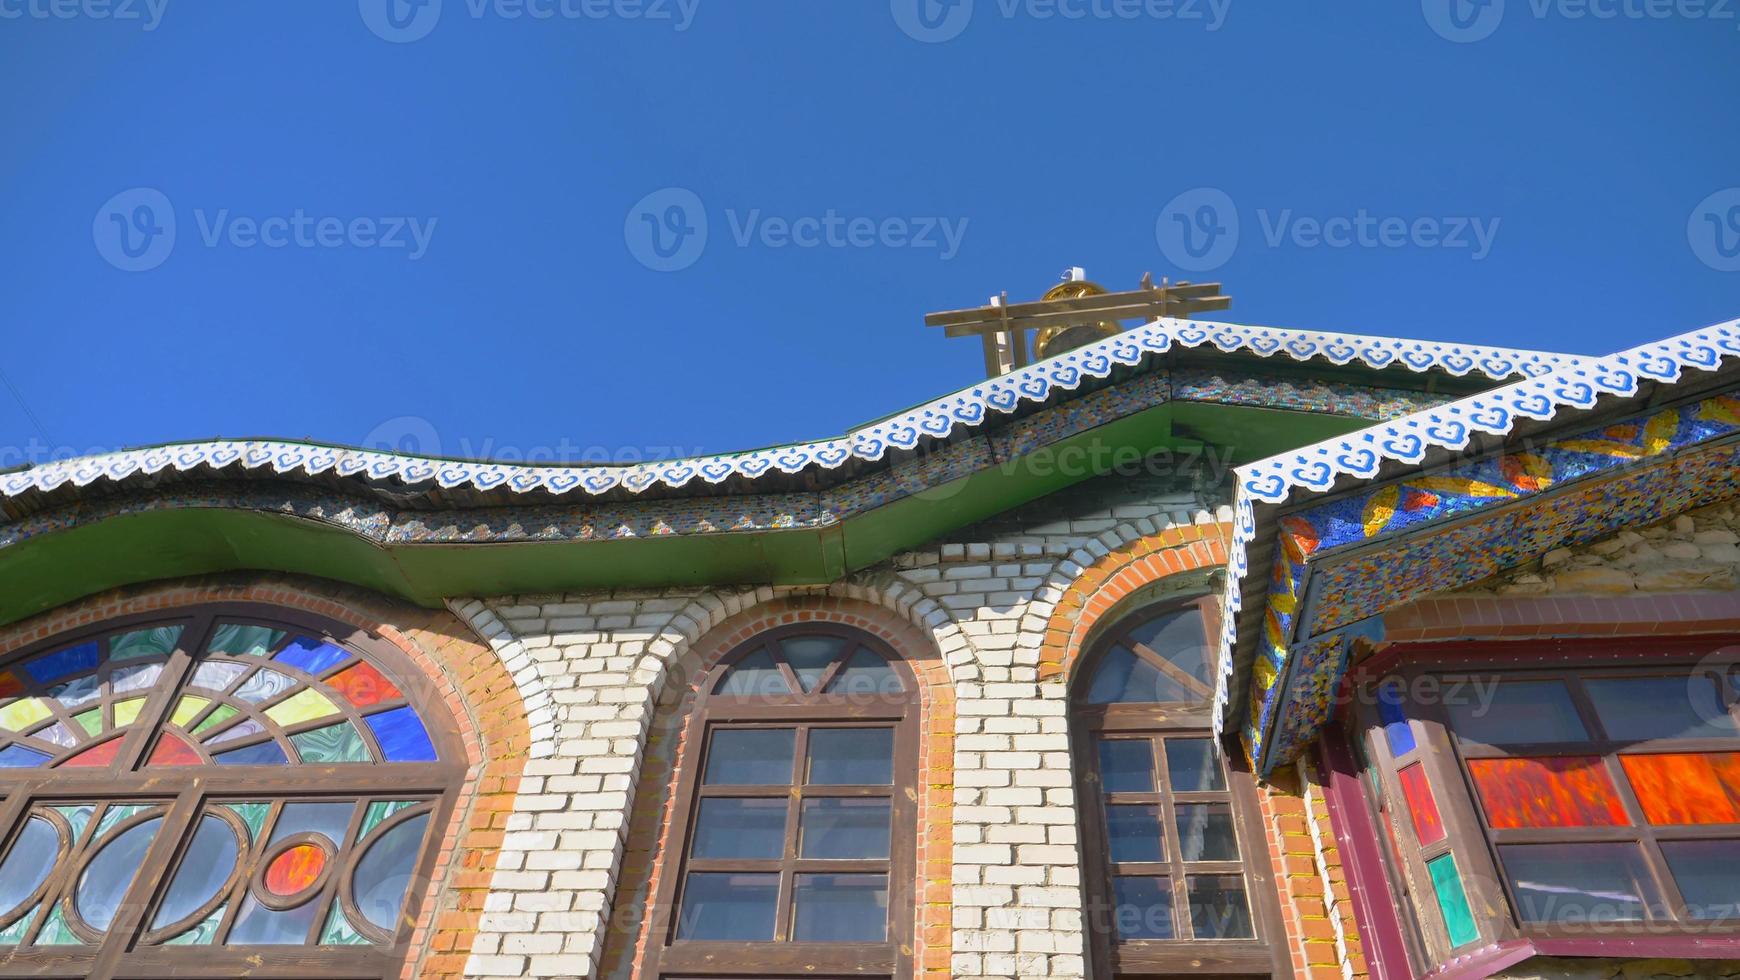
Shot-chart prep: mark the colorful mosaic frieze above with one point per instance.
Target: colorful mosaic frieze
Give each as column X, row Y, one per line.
column 1321, row 397
column 938, row 419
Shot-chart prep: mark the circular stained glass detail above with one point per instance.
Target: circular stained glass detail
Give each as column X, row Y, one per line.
column 103, row 886
column 294, row 870
column 28, row 863
column 210, row 861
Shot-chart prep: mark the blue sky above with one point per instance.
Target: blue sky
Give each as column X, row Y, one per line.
column 460, row 199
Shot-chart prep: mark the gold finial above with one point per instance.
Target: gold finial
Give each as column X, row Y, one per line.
column 1072, row 313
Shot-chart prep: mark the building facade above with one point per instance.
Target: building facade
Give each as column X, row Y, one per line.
column 1199, row 650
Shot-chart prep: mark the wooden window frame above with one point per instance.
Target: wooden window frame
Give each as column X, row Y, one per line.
column 1265, row 955
column 185, row 790
column 667, row 956
column 1467, row 836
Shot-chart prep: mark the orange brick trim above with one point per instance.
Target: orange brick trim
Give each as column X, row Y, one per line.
column 479, row 694
column 1316, row 906
column 1513, row 617
column 1120, row 573
column 650, row 830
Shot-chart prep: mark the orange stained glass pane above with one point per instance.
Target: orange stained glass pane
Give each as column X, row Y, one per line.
column 1566, row 791
column 1686, row 788
column 363, row 685
column 1428, row 826
column 171, row 750
column 294, row 870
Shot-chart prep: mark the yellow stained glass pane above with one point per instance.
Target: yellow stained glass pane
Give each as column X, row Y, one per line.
column 23, row 713
column 306, row 706
column 186, row 708
column 127, row 712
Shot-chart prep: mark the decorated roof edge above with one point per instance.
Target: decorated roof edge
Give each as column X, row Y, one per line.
column 939, row 418
column 1315, row 469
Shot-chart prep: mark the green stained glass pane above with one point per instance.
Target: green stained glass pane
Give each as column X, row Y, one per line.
column 158, row 641
column 237, row 640
column 76, row 816
column 334, row 743
column 379, row 812
column 187, row 708
column 114, row 815
column 305, row 705
column 252, row 814
column 55, row 932
column 202, row 934
column 91, row 721
column 14, row 933
column 338, row 930
column 218, row 716
column 127, row 712
column 1452, row 900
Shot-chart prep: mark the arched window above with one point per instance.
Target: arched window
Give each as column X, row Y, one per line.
column 1177, row 873
column 217, row 792
column 793, row 836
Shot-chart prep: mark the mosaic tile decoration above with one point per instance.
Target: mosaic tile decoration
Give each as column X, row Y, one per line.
column 937, row 419
column 1363, row 455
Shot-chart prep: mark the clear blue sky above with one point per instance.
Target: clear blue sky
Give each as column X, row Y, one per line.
column 526, row 317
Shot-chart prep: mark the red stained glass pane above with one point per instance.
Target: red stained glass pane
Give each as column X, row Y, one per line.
column 1686, row 788
column 172, row 751
column 98, row 755
column 363, row 685
column 10, row 684
column 1568, row 791
column 1428, row 826
column 295, row 870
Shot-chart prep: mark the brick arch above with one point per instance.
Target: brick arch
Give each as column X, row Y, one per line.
column 1086, row 594
column 471, row 681
column 650, row 833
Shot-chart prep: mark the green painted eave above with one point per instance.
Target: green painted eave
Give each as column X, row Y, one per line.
column 55, row 568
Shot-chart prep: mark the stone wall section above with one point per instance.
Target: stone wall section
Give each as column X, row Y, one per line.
column 1692, row 552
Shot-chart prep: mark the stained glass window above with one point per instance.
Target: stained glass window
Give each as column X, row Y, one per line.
column 262, row 779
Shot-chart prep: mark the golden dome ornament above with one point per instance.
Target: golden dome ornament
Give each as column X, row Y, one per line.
column 1068, row 336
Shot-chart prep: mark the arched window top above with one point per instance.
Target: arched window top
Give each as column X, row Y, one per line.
column 187, row 792
column 1160, row 656
column 818, row 662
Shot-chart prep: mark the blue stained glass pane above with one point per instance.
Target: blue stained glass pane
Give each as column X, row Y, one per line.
column 311, row 655
column 1396, row 730
column 19, row 757
column 60, row 663
column 261, row 754
column 402, row 736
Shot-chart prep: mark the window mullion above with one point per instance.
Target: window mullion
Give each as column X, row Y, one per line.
column 163, row 693
column 154, row 872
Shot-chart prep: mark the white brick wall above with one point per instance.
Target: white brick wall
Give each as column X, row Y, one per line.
column 591, row 667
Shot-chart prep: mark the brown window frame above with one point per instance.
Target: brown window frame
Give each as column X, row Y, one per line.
column 183, row 792
column 667, row 956
column 1443, row 754
column 1264, row 955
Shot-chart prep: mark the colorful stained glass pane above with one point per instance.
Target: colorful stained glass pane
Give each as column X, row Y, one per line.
column 172, row 750
column 362, row 685
column 304, row 705
column 1559, row 791
column 91, row 721
column 218, row 716
column 401, row 736
column 113, row 816
column 252, row 814
column 77, row 691
column 10, row 685
column 294, row 870
column 1395, row 720
column 101, row 754
column 338, row 930
column 1686, row 788
column 237, row 639
column 28, row 862
column 56, row 734
column 187, row 708
column 13, row 934
column 311, row 656
column 1428, row 826
column 1452, row 900
column 19, row 757
column 135, row 678
column 127, row 712
column 379, row 812
column 60, row 663
column 156, row 641
column 334, row 743
column 217, row 675
column 259, row 754
column 241, row 729
column 23, row 713
column 56, row 933
column 76, row 817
